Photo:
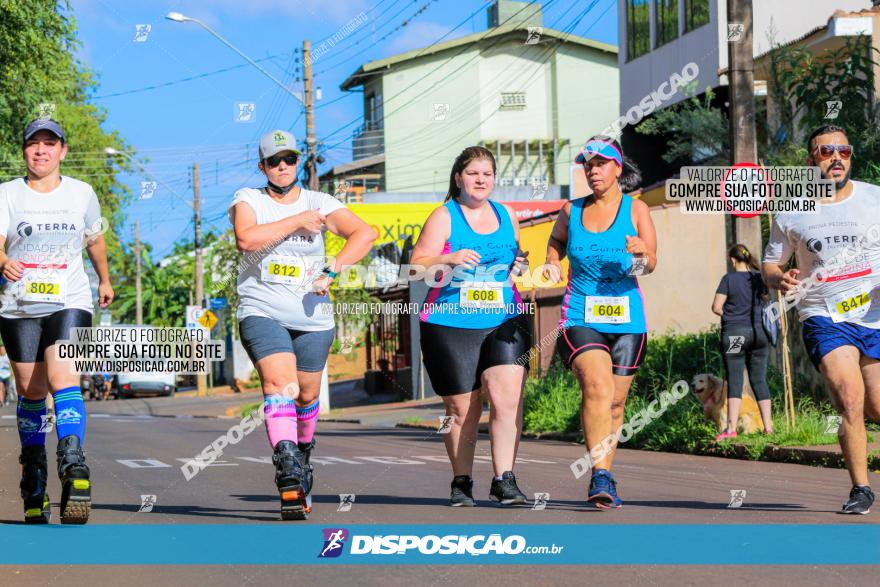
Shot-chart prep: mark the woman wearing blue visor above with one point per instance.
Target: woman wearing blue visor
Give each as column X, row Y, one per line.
column 609, row 239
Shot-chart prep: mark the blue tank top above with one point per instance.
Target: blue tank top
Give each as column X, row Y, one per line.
column 601, row 292
column 483, row 296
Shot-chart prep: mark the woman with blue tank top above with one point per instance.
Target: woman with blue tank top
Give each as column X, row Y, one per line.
column 474, row 335
column 609, row 239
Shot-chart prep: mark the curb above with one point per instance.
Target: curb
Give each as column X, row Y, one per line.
column 771, row 454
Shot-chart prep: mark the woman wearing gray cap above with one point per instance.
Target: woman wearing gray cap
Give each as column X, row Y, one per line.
column 286, row 320
column 46, row 219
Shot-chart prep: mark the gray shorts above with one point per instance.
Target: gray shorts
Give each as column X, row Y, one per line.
column 262, row 337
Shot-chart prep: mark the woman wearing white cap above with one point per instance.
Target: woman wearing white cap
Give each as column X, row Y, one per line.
column 285, row 317
column 46, row 219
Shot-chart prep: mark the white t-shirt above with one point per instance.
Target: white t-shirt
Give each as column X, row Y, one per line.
column 838, row 251
column 5, row 367
column 46, row 233
column 275, row 281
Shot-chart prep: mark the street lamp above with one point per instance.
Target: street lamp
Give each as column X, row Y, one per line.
column 178, row 17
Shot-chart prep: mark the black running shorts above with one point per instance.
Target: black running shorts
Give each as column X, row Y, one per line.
column 26, row 339
column 455, row 358
column 627, row 350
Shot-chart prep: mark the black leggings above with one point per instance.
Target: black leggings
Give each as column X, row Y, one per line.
column 745, row 346
column 27, row 339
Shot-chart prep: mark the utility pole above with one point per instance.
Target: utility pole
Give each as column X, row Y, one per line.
column 743, row 140
column 201, row 379
column 139, row 299
column 309, row 103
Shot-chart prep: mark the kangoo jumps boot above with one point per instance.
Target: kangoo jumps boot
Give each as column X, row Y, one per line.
column 34, row 477
column 76, row 489
column 289, row 475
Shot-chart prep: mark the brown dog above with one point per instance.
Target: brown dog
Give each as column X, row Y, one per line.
column 712, row 393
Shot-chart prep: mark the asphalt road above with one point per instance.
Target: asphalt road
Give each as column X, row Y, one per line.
column 401, row 476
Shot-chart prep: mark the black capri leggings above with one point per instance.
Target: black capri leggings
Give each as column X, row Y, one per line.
column 745, row 346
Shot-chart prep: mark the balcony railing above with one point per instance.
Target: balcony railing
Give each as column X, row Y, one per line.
column 368, row 140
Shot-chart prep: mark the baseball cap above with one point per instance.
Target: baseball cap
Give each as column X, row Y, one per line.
column 39, row 124
column 276, row 141
column 603, row 149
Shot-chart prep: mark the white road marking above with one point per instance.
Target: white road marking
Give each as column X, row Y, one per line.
column 142, row 463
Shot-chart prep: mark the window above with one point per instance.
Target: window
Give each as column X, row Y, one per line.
column 513, row 100
column 667, row 20
column 638, row 29
column 373, row 112
column 696, row 14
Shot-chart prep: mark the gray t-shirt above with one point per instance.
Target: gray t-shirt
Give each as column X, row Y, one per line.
column 275, row 281
column 46, row 232
column 838, row 254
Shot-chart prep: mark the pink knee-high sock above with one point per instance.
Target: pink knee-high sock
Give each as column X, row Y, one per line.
column 280, row 419
column 307, row 419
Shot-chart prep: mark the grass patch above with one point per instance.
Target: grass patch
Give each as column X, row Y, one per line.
column 412, row 420
column 552, row 402
column 248, row 409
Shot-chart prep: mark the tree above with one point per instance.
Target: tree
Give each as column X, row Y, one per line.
column 165, row 291
column 37, row 44
column 805, row 87
column 695, row 130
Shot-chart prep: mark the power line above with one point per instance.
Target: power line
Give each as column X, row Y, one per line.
column 406, row 21
column 566, row 33
column 434, row 70
column 186, row 79
column 460, row 70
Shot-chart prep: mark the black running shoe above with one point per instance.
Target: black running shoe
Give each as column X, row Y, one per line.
column 505, row 491
column 76, row 488
column 462, row 492
column 34, row 478
column 289, row 475
column 860, row 499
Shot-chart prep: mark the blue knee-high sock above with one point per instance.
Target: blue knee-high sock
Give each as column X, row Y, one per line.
column 31, row 417
column 70, row 413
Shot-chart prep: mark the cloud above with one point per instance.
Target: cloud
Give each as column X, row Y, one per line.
column 415, row 36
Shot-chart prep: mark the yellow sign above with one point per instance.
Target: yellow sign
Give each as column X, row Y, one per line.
column 395, row 222
column 208, row 319
column 391, row 222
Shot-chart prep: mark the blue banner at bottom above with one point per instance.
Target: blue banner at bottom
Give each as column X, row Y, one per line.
column 290, row 543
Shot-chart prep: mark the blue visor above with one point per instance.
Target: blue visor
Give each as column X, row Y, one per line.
column 601, row 148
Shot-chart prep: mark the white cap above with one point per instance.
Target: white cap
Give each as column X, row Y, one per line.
column 277, row 141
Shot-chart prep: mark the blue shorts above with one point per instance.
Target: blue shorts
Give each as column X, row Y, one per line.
column 262, row 337
column 822, row 335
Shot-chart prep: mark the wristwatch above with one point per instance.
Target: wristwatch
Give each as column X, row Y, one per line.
column 329, row 272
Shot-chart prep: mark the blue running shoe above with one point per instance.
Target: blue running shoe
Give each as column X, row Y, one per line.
column 603, row 490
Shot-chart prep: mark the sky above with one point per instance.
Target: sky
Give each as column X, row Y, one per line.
column 163, row 90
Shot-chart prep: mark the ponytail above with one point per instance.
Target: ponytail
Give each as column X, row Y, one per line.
column 742, row 254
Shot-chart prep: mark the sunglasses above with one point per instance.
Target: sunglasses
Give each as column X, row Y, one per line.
column 826, row 151
column 275, row 160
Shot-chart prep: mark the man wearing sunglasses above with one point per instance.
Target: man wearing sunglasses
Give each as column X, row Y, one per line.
column 836, row 282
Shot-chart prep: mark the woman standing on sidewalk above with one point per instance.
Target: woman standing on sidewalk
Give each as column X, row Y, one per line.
column 286, row 320
column 609, row 239
column 474, row 336
column 739, row 300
